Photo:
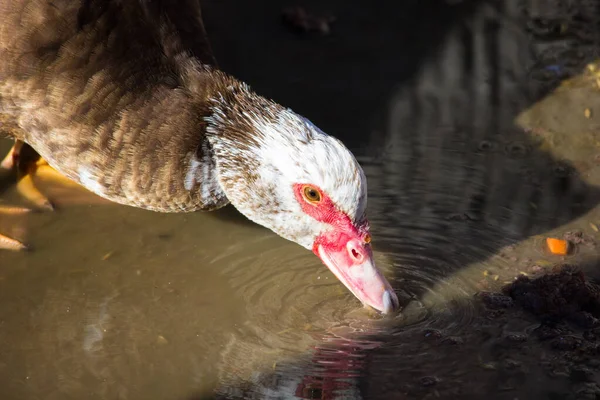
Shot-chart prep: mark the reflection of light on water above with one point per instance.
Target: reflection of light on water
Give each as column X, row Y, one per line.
column 329, row 370
column 94, row 331
column 558, row 138
column 292, row 302
column 457, row 177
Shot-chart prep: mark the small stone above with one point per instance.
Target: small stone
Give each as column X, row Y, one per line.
column 496, row 300
column 588, row 390
column 517, row 337
column 511, row 364
column 428, row 381
column 546, row 332
column 566, row 343
column 536, row 269
column 488, row 366
column 578, row 237
column 557, row 373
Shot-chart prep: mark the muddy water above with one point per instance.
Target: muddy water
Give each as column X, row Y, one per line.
column 471, row 124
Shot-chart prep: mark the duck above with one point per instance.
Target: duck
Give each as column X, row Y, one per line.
column 126, row 99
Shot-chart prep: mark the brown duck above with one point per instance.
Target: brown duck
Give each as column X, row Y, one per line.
column 124, row 98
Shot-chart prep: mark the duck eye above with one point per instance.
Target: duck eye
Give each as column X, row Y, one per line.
column 367, row 239
column 311, row 194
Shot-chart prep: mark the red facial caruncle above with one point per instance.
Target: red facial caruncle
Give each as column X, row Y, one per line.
column 345, row 248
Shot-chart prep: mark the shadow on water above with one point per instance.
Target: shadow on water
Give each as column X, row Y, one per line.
column 473, row 149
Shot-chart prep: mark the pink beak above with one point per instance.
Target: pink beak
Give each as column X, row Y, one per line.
column 351, row 261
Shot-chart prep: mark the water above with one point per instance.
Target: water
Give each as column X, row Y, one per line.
column 475, row 152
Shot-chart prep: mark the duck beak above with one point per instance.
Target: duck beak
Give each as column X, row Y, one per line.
column 351, row 261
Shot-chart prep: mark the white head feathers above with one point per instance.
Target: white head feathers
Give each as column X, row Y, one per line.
column 262, row 150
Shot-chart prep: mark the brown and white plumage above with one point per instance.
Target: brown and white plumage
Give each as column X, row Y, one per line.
column 124, row 98
column 111, row 96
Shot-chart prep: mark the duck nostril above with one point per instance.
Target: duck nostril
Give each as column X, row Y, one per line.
column 355, row 251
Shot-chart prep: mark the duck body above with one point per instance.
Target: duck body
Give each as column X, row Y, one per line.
column 113, row 97
column 124, row 97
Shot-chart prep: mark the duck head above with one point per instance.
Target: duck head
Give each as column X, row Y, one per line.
column 282, row 172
